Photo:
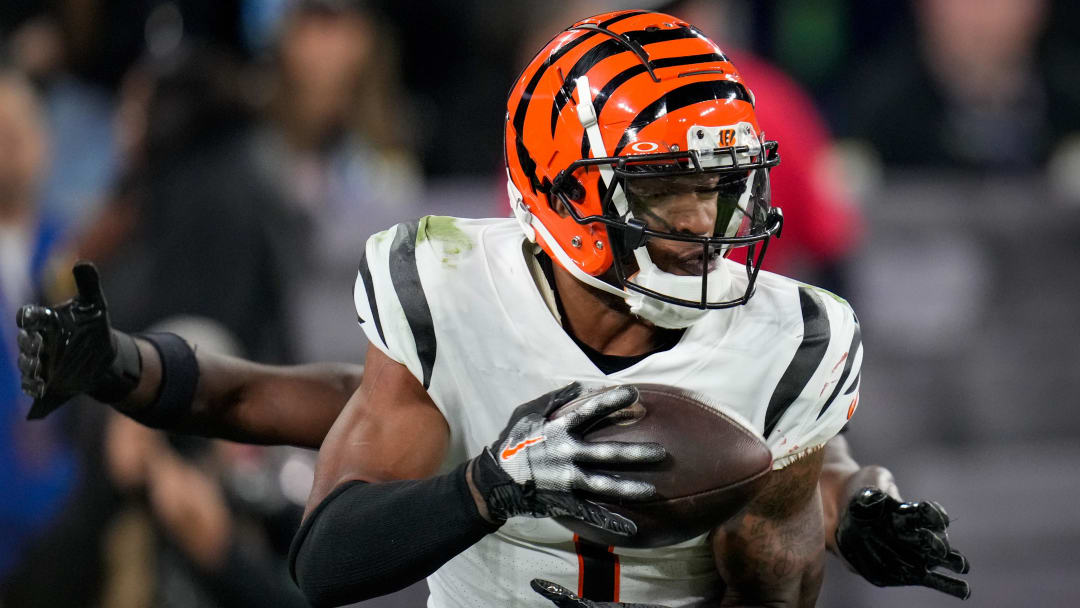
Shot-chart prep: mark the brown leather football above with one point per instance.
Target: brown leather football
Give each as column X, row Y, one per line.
column 715, row 465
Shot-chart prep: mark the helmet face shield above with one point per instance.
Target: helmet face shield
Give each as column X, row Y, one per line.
column 727, row 205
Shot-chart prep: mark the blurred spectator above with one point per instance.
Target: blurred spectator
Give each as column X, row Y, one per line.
column 344, row 120
column 79, row 114
column 198, row 224
column 343, row 131
column 459, row 62
column 39, row 468
column 973, row 89
column 206, row 523
column 191, row 541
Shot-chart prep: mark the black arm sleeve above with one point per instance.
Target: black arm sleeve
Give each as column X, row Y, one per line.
column 250, row 579
column 366, row 540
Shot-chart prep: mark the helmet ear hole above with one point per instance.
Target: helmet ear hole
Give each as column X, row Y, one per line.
column 573, row 189
column 569, row 187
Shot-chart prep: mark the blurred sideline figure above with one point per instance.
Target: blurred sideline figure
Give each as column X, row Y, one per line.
column 204, row 523
column 975, row 89
column 79, row 113
column 341, row 124
column 39, row 468
column 196, row 192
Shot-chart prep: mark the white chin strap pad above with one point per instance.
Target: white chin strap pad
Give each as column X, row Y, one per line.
column 674, row 316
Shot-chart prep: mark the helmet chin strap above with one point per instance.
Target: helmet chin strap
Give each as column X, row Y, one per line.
column 667, row 315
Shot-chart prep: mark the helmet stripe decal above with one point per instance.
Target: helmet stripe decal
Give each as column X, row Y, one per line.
column 807, row 358
column 607, row 49
column 667, row 62
column 519, row 112
column 681, row 97
column 528, row 165
column 624, row 76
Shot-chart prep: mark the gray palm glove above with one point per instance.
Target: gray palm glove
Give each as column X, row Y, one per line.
column 534, row 467
column 564, row 598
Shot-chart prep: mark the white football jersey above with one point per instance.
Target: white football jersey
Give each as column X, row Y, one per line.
column 456, row 302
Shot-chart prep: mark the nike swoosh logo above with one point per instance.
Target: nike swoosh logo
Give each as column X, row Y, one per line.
column 509, row 452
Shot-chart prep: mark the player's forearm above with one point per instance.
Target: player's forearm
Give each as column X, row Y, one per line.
column 368, row 539
column 841, row 478
column 773, row 563
column 773, row 553
column 246, row 401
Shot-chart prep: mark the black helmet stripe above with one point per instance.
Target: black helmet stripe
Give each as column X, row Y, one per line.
column 607, row 49
column 527, row 163
column 622, row 77
column 667, row 62
column 681, row 97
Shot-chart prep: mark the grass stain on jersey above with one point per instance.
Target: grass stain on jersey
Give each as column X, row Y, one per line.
column 442, row 231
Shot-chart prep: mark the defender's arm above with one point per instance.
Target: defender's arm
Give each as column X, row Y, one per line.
column 250, row 402
column 887, row 541
column 841, row 479
column 772, row 554
column 70, row 349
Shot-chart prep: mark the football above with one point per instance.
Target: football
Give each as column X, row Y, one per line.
column 715, row 465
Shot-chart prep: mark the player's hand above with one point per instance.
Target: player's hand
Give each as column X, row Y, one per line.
column 564, row 598
column 70, row 348
column 893, row 543
column 534, row 467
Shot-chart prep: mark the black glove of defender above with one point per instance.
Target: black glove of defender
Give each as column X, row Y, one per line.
column 532, row 468
column 563, row 598
column 70, row 349
column 891, row 543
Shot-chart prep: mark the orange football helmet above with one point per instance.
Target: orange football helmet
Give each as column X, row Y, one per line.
column 608, row 110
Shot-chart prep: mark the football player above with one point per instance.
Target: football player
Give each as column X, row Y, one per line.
column 635, row 164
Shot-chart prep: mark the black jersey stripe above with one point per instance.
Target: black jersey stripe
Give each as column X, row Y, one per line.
column 853, row 348
column 527, row 163
column 410, row 293
column 598, row 571
column 854, row 383
column 807, row 358
column 681, row 97
column 369, row 289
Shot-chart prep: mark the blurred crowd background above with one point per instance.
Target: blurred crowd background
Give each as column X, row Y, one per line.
column 223, row 162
